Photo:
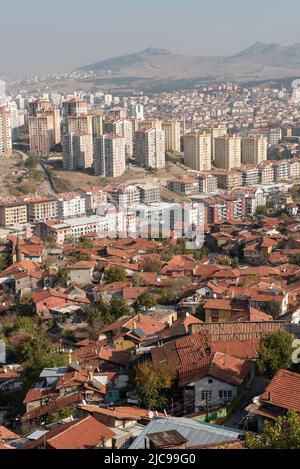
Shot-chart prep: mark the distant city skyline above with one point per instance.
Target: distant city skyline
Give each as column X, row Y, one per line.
column 58, row 36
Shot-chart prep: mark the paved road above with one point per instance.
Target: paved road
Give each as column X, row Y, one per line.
column 258, row 386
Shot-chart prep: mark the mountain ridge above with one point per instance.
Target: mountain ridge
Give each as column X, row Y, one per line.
column 259, row 60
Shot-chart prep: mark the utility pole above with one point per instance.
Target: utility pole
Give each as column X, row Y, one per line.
column 206, row 405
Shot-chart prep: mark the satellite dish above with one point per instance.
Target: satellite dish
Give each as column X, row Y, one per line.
column 150, row 414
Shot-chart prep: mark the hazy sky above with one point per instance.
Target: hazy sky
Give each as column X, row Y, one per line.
column 59, row 35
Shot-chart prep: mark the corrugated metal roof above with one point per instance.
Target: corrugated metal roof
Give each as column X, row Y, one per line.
column 196, row 433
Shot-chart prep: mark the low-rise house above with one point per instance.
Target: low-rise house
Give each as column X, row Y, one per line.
column 81, row 273
column 280, row 396
column 46, row 300
column 87, row 433
column 216, row 381
column 224, row 309
column 11, row 378
column 129, row 332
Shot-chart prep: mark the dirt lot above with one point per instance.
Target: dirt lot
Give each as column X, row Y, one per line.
column 14, row 181
column 68, row 180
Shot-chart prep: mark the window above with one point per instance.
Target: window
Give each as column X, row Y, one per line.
column 210, row 381
column 214, row 315
column 206, row 395
column 226, row 394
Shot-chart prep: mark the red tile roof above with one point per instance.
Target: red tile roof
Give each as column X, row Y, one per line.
column 283, row 391
column 120, row 412
column 83, row 434
column 220, row 366
column 6, row 434
column 186, row 351
column 240, row 349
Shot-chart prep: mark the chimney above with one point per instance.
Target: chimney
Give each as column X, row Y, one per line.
column 270, row 396
column 90, row 376
column 70, row 357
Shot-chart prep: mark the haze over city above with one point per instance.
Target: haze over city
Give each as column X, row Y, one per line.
column 57, row 36
column 149, row 231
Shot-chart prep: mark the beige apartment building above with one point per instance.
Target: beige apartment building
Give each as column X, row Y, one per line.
column 77, row 150
column 216, row 132
column 41, row 209
column 109, row 156
column 74, row 107
column 254, row 150
column 266, row 172
column 5, row 132
column 44, row 131
column 150, row 148
column 227, row 152
column 80, row 123
column 122, row 128
column 39, row 105
column 97, row 125
column 150, row 124
column 172, row 135
column 197, row 151
column 294, row 168
column 12, row 213
column 229, row 179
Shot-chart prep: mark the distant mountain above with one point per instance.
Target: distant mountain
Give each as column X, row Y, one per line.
column 259, row 61
column 270, row 54
column 116, row 64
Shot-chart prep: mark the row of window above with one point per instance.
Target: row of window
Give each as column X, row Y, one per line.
column 223, row 394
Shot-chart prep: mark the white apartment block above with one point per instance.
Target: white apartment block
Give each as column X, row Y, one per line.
column 109, row 156
column 150, row 148
column 70, row 205
column 197, row 151
column 77, row 149
column 227, row 152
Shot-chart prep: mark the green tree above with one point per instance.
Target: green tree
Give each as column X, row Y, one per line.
column 235, row 263
column 275, row 353
column 119, row 308
column 115, row 274
column 60, row 414
column 96, row 315
column 296, row 259
column 84, row 242
column 79, row 257
column 153, row 384
column 167, row 296
column 152, row 265
column 284, row 434
column 200, row 253
column 106, row 312
column 138, row 280
column 61, row 279
column 261, row 210
column 38, row 353
column 273, row 308
column 146, row 300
